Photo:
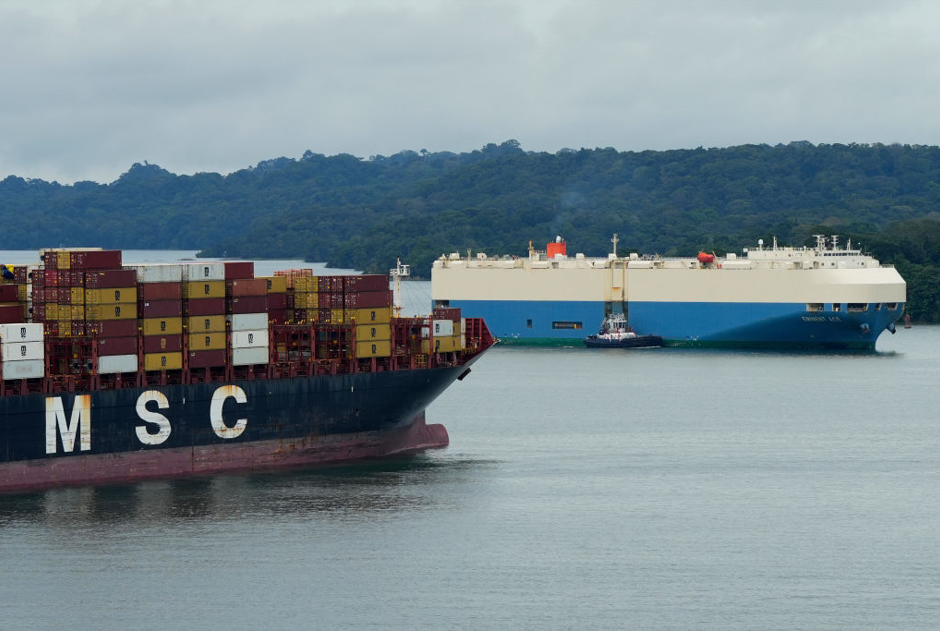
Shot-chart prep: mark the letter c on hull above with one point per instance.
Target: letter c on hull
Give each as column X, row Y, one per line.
column 215, row 412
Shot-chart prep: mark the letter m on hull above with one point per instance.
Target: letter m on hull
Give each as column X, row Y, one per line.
column 77, row 425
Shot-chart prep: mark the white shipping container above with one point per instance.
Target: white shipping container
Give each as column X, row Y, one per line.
column 111, row 364
column 21, row 332
column 20, row 351
column 246, row 356
column 443, row 327
column 24, row 369
column 203, row 271
column 249, row 339
column 158, row 272
column 248, row 321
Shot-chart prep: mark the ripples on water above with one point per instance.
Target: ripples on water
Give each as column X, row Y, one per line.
column 665, row 488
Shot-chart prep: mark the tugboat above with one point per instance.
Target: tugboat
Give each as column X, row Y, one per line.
column 616, row 333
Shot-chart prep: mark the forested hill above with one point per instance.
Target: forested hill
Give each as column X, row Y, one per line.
column 365, row 213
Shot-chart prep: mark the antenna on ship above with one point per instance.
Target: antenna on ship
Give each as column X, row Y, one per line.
column 397, row 273
column 614, row 241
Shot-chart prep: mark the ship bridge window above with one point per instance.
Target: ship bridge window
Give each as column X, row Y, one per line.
column 857, row 307
column 814, row 306
column 877, row 306
column 567, row 325
column 837, row 306
column 891, row 306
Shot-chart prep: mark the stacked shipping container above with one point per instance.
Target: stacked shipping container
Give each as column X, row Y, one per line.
column 203, row 290
column 22, row 351
column 247, row 314
column 93, row 316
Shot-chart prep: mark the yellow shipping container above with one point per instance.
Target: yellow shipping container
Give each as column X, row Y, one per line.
column 207, row 341
column 276, row 284
column 205, row 324
column 337, row 316
column 163, row 361
column 111, row 296
column 204, row 289
column 78, row 312
column 162, row 326
column 78, row 295
column 306, row 300
column 381, row 315
column 443, row 344
column 368, row 332
column 65, row 328
column 52, row 311
column 22, row 292
column 378, row 348
column 123, row 311
column 63, row 260
column 305, row 283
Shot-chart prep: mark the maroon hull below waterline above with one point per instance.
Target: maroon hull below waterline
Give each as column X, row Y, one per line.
column 115, row 468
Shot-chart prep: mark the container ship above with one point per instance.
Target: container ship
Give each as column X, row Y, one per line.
column 820, row 297
column 116, row 373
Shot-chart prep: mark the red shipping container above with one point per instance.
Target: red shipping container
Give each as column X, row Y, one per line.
column 76, row 278
column 277, row 316
column 239, row 269
column 64, row 296
column 326, row 315
column 277, row 301
column 117, row 346
column 79, row 328
column 163, row 343
column 111, row 328
column 447, row 313
column 246, row 287
column 63, row 278
column 52, row 328
column 327, row 284
column 160, row 308
column 248, row 304
column 330, row 300
column 21, row 274
column 368, row 299
column 288, row 300
column 204, row 306
column 39, row 311
column 370, row 282
column 96, row 259
column 50, row 260
column 50, row 278
column 12, row 314
column 9, row 293
column 206, row 359
column 107, row 279
column 159, row 291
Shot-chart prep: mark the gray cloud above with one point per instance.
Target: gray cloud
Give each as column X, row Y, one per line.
column 91, row 87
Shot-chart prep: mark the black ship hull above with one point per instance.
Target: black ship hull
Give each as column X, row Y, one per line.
column 110, row 436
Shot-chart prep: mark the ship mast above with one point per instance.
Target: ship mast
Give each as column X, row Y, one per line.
column 397, row 273
column 614, row 241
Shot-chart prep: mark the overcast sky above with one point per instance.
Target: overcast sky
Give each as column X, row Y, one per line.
column 89, row 88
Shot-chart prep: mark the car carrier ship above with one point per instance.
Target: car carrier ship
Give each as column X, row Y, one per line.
column 820, row 297
column 116, row 373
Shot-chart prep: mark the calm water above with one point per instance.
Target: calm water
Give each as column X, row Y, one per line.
column 654, row 489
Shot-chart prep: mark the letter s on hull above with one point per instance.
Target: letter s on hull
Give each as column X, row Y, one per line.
column 215, row 412
column 155, row 418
